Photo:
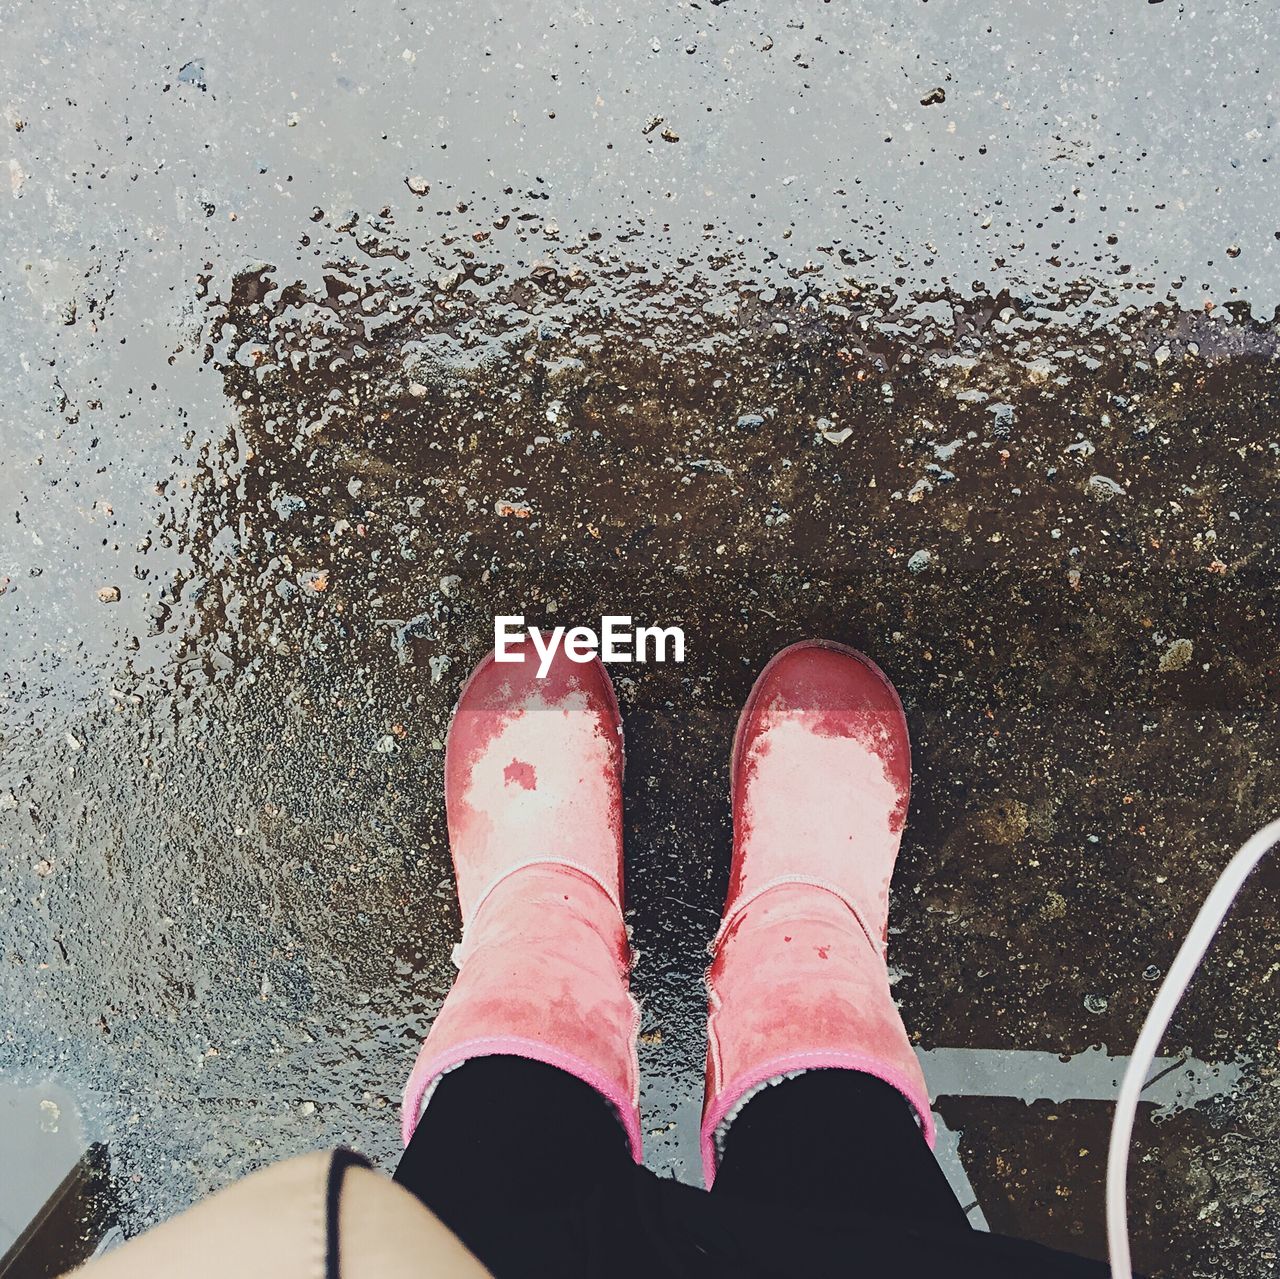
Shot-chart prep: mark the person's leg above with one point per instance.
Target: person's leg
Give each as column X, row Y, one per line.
column 522, row 1161
column 839, row 1139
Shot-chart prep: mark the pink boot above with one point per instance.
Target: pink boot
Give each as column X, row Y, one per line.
column 533, row 791
column 821, row 774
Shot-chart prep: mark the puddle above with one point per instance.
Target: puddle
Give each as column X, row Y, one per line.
column 56, row 1198
column 1173, row 1084
column 41, row 1140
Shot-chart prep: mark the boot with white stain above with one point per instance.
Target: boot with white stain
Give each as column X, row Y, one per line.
column 820, row 776
column 533, row 791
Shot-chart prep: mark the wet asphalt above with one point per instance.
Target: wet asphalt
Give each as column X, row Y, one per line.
column 948, row 331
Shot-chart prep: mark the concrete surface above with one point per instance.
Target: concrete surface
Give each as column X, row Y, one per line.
column 947, row 330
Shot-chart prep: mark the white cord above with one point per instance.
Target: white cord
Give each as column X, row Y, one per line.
column 1175, row 983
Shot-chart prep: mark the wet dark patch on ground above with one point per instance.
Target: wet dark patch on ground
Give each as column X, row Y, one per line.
column 1061, row 549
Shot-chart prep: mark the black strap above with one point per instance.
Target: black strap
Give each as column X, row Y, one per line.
column 339, row 1161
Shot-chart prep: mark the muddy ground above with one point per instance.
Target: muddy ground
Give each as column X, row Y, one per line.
column 326, row 338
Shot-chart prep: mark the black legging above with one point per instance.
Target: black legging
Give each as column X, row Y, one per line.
column 823, row 1173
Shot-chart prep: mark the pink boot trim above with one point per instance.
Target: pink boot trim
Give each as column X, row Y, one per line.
column 741, row 1087
column 796, row 985
column 427, row 1072
column 542, row 975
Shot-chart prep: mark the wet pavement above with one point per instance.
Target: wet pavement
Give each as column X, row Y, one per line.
column 946, row 331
